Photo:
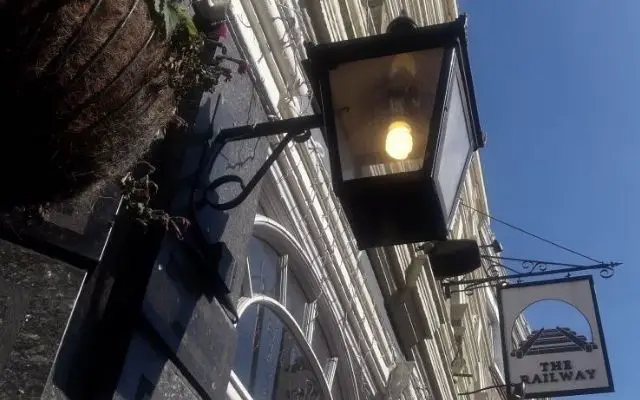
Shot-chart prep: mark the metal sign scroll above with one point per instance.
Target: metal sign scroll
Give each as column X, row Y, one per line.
column 559, row 360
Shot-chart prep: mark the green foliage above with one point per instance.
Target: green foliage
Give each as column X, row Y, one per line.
column 181, row 15
column 186, row 67
column 171, row 15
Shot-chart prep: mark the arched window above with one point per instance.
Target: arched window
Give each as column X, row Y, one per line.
column 283, row 351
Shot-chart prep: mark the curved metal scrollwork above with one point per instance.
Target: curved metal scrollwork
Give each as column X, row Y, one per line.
column 199, row 249
column 297, row 130
column 298, row 137
column 534, row 266
column 607, row 271
column 499, row 273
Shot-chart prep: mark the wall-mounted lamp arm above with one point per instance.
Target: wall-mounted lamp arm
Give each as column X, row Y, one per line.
column 200, row 250
column 296, row 129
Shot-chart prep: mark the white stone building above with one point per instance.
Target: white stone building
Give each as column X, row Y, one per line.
column 319, row 318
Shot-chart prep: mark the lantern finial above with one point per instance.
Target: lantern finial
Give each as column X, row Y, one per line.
column 401, row 24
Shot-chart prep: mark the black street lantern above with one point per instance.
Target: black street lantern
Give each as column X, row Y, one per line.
column 401, row 124
column 400, row 120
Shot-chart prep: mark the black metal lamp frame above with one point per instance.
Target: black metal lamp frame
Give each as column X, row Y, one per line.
column 409, row 206
column 522, row 270
column 324, row 57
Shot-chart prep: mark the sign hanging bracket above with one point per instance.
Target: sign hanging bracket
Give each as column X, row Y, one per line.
column 501, row 271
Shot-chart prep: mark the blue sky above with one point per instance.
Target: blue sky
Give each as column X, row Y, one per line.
column 557, row 86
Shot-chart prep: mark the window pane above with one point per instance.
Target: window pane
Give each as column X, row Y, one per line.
column 248, row 343
column 296, row 299
column 263, row 264
column 364, row 112
column 269, row 362
column 336, row 390
column 246, row 280
column 456, row 148
column 320, row 345
column 295, row 378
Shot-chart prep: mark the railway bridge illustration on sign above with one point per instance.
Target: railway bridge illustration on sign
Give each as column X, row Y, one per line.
column 549, row 341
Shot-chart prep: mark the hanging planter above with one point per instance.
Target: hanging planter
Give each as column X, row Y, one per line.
column 85, row 88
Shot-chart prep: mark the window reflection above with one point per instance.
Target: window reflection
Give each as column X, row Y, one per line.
column 296, row 380
column 336, row 391
column 263, row 264
column 296, row 300
column 320, row 345
column 269, row 362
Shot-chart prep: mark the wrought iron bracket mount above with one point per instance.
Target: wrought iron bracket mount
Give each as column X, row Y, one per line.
column 200, row 250
column 517, row 390
column 296, row 129
column 500, row 271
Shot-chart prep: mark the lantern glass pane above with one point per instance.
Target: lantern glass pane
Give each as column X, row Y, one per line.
column 383, row 109
column 454, row 149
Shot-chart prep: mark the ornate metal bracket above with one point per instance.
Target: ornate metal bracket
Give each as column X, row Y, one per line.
column 501, row 271
column 199, row 249
column 297, row 129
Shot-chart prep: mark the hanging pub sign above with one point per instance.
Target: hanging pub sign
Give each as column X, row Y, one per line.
column 555, row 360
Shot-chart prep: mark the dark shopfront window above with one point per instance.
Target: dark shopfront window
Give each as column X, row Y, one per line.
column 271, row 361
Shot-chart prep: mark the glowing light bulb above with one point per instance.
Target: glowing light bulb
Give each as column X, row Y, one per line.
column 399, row 142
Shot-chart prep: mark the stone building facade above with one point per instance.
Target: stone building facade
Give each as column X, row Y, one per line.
column 341, row 303
column 138, row 317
